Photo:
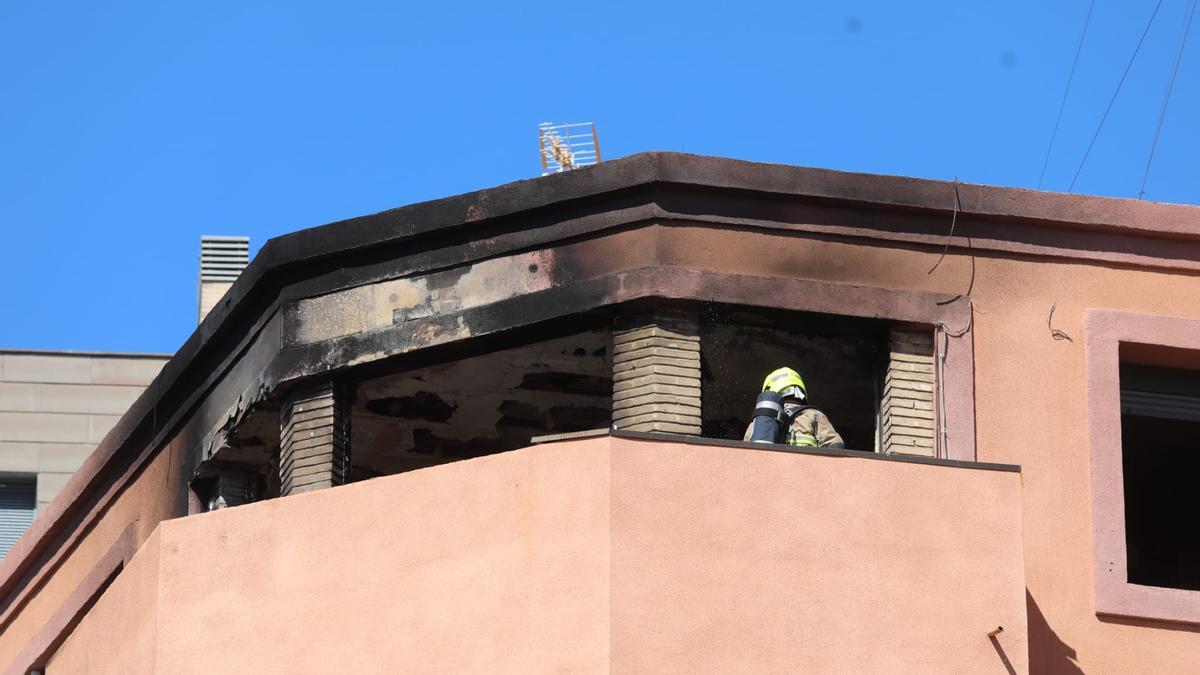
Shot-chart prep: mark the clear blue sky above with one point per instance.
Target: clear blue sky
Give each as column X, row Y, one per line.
column 127, row 129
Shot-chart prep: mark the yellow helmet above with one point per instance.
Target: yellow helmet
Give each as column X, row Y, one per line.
column 787, row 383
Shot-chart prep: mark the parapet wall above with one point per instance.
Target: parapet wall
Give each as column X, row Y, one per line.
column 606, row 554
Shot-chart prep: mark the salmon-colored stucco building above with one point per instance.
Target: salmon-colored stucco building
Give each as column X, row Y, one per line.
column 500, row 432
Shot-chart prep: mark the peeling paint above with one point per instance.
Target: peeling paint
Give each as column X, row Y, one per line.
column 403, row 301
column 481, row 404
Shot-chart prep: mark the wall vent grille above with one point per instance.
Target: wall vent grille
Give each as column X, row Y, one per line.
column 223, row 258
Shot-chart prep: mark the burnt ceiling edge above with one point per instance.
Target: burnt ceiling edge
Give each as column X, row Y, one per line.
column 285, row 366
column 874, row 192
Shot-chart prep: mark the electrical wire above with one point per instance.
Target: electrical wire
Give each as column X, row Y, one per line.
column 1063, row 104
column 1054, row 332
column 953, row 222
column 1113, row 100
column 943, row 344
column 1162, row 114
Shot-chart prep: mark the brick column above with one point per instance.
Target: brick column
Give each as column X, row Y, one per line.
column 314, row 448
column 908, row 408
column 656, row 373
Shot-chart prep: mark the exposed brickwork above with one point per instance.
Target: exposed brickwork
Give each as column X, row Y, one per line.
column 656, row 373
column 482, row 404
column 908, row 410
column 315, row 440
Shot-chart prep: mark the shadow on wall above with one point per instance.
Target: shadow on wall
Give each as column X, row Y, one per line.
column 1047, row 652
column 1008, row 666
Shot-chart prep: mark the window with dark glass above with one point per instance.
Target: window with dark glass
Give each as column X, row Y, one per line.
column 1160, row 447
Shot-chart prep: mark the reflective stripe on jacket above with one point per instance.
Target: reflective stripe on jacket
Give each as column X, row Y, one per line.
column 810, row 428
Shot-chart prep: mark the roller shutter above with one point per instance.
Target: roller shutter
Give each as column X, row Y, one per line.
column 18, row 503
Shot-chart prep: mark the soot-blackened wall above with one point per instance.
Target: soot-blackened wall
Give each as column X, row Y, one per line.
column 481, row 404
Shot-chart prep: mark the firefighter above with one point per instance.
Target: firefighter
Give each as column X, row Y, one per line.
column 797, row 423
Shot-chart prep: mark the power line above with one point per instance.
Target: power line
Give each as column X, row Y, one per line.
column 1063, row 104
column 1112, row 100
column 1162, row 114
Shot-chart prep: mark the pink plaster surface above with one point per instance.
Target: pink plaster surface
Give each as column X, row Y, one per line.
column 739, row 560
column 595, row 555
column 1032, row 395
column 119, row 634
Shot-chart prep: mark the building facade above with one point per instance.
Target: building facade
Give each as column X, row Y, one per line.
column 501, row 431
column 55, row 407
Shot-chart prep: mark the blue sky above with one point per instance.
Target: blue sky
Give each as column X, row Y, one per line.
column 128, row 129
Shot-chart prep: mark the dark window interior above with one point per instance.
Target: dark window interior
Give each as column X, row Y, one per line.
column 842, row 360
column 480, row 404
column 1160, row 442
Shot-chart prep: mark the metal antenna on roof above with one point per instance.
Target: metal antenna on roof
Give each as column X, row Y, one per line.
column 565, row 147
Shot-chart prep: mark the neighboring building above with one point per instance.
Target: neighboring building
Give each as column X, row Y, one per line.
column 1021, row 397
column 55, row 406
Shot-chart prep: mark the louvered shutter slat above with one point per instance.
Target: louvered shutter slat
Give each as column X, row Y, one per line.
column 18, row 502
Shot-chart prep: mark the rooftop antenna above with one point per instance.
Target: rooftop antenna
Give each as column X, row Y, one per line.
column 567, row 146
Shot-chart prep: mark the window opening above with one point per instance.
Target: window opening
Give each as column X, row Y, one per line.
column 843, row 361
column 18, row 506
column 1160, row 452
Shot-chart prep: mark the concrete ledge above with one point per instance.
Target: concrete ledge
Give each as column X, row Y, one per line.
column 774, row 447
